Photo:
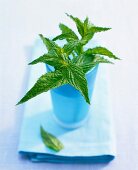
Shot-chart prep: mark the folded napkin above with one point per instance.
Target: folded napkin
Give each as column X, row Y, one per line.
column 94, row 142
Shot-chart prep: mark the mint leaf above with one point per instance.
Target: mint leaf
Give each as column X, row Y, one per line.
column 70, row 36
column 51, row 45
column 89, row 32
column 88, row 66
column 84, row 59
column 67, row 33
column 50, row 140
column 69, row 47
column 78, row 23
column 87, row 62
column 75, row 76
column 96, row 29
column 86, row 25
column 101, row 51
column 51, row 58
column 99, row 59
column 63, row 36
column 66, row 29
column 88, row 36
column 44, row 83
column 68, row 73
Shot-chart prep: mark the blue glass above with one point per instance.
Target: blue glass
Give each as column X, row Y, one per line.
column 69, row 106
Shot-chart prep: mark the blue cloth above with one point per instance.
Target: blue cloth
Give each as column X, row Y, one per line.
column 92, row 143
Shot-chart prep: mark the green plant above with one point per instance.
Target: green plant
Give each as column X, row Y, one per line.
column 71, row 62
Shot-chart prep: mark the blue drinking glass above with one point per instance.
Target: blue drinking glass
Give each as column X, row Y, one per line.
column 70, row 109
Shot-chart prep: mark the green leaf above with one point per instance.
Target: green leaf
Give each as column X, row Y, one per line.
column 89, row 32
column 70, row 36
column 96, row 29
column 44, row 83
column 87, row 62
column 51, row 45
column 51, row 141
column 79, row 24
column 65, row 29
column 88, row 66
column 86, row 22
column 75, row 76
column 63, row 36
column 101, row 51
column 69, row 47
column 67, row 34
column 49, row 58
column 99, row 59
column 88, row 36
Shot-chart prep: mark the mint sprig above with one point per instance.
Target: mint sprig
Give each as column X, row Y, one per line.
column 70, row 62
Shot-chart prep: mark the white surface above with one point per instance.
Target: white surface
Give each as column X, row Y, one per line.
column 20, row 22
